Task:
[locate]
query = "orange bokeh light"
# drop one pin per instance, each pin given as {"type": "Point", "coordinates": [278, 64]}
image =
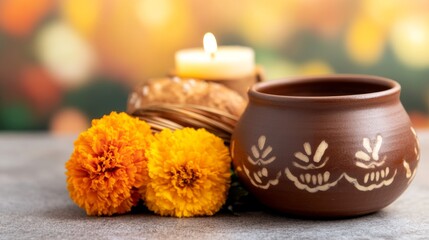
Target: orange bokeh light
{"type": "Point", "coordinates": [68, 121]}
{"type": "Point", "coordinates": [19, 17]}
{"type": "Point", "coordinates": [39, 87]}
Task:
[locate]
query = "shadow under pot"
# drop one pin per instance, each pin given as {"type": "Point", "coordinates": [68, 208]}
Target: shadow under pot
{"type": "Point", "coordinates": [330, 146]}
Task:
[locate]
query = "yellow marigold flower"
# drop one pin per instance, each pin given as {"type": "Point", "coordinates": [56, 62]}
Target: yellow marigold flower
{"type": "Point", "coordinates": [108, 165]}
{"type": "Point", "coordinates": [189, 173]}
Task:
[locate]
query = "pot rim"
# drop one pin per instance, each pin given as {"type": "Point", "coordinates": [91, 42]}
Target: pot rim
{"type": "Point", "coordinates": [393, 89]}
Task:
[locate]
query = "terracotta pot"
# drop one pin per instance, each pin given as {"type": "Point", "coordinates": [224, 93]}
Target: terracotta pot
{"type": "Point", "coordinates": [330, 146]}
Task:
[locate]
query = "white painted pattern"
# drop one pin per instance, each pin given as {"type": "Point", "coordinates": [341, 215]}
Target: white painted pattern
{"type": "Point", "coordinates": [307, 181]}
{"type": "Point", "coordinates": [371, 160]}
{"type": "Point", "coordinates": [259, 184]}
{"type": "Point", "coordinates": [407, 169]}
{"type": "Point", "coordinates": [408, 173]}
{"type": "Point", "coordinates": [369, 177]}
{"type": "Point", "coordinates": [320, 151]}
{"type": "Point", "coordinates": [371, 165]}
{"type": "Point", "coordinates": [372, 153]}
{"type": "Point", "coordinates": [373, 176]}
{"type": "Point", "coordinates": [260, 153]}
{"type": "Point", "coordinates": [320, 182]}
{"type": "Point", "coordinates": [261, 156]}
{"type": "Point", "coordinates": [305, 157]}
{"type": "Point", "coordinates": [417, 144]}
{"type": "Point", "coordinates": [309, 166]}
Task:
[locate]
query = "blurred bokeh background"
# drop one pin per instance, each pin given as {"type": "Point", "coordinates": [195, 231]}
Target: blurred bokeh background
{"type": "Point", "coordinates": [64, 62]}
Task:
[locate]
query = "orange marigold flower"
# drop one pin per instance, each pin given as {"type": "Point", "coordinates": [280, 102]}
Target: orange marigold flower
{"type": "Point", "coordinates": [108, 165]}
{"type": "Point", "coordinates": [189, 173]}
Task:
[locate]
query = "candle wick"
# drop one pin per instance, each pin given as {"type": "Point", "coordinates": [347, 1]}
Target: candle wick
{"type": "Point", "coordinates": [212, 55]}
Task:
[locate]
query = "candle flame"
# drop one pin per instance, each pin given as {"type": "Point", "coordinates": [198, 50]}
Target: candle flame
{"type": "Point", "coordinates": [210, 44]}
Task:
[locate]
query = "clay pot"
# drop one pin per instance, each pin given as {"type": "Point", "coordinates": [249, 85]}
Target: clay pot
{"type": "Point", "coordinates": [331, 146]}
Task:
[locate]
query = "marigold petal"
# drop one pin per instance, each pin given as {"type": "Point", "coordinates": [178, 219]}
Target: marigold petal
{"type": "Point", "coordinates": [189, 173]}
{"type": "Point", "coordinates": [109, 165]}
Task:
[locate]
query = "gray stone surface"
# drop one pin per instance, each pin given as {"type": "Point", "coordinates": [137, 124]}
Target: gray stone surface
{"type": "Point", "coordinates": [34, 204]}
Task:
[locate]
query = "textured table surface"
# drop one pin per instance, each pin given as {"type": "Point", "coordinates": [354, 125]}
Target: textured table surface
{"type": "Point", "coordinates": [34, 204]}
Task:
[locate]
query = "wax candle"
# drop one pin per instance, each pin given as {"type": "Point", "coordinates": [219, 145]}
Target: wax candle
{"type": "Point", "coordinates": [215, 63]}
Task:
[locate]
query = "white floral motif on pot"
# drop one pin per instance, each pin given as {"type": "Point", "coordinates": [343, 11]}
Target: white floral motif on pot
{"type": "Point", "coordinates": [261, 155]}
{"type": "Point", "coordinates": [410, 174]}
{"type": "Point", "coordinates": [315, 178]}
{"type": "Point", "coordinates": [376, 175]}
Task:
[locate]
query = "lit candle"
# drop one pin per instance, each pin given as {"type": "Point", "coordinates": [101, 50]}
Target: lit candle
{"type": "Point", "coordinates": [215, 63]}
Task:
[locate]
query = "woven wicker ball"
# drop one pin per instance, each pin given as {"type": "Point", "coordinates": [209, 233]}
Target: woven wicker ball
{"type": "Point", "coordinates": [186, 91]}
